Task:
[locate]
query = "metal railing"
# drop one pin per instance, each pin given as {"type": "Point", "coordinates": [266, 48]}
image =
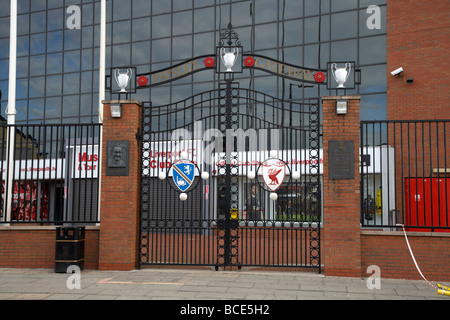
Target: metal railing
{"type": "Point", "coordinates": [49, 173]}
{"type": "Point", "coordinates": [405, 175]}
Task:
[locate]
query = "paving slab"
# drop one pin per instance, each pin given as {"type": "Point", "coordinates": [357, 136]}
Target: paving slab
{"type": "Point", "coordinates": [190, 284]}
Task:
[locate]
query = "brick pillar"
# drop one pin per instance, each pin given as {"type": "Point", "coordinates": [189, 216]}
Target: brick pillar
{"type": "Point", "coordinates": [119, 209]}
{"type": "Point", "coordinates": [341, 193]}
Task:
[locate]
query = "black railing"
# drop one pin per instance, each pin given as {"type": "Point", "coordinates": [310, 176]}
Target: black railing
{"type": "Point", "coordinates": [50, 173]}
{"type": "Point", "coordinates": [405, 175]}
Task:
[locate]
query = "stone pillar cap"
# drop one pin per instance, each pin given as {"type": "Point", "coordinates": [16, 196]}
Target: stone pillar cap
{"type": "Point", "coordinates": [350, 97]}
{"type": "Point", "coordinates": [139, 103]}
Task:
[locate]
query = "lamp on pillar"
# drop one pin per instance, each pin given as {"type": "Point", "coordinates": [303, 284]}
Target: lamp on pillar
{"type": "Point", "coordinates": [341, 106]}
{"type": "Point", "coordinates": [116, 110]}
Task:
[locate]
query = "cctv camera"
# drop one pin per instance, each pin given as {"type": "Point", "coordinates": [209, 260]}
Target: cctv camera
{"type": "Point", "coordinates": [397, 71]}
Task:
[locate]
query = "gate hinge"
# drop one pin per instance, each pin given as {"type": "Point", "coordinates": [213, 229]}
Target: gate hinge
{"type": "Point", "coordinates": [138, 135]}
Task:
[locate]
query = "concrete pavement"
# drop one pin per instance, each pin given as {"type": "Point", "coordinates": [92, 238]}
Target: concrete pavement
{"type": "Point", "coordinates": [205, 284]}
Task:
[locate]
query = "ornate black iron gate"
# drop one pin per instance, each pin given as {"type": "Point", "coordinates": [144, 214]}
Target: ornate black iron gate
{"type": "Point", "coordinates": [231, 177]}
{"type": "Point", "coordinates": [230, 216]}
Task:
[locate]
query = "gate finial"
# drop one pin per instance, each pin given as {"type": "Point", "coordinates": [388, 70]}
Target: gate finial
{"type": "Point", "coordinates": [229, 35]}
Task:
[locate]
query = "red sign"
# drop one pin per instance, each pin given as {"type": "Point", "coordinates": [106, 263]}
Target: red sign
{"type": "Point", "coordinates": [25, 198]}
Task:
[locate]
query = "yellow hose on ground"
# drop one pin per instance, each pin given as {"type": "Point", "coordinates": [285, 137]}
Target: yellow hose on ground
{"type": "Point", "coordinates": [444, 291]}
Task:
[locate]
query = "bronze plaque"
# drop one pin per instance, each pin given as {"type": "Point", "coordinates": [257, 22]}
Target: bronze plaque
{"type": "Point", "coordinates": [117, 158]}
{"type": "Point", "coordinates": [341, 160]}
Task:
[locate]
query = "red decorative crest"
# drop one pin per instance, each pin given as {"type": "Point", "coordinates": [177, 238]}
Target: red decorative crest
{"type": "Point", "coordinates": [249, 61]}
{"type": "Point", "coordinates": [319, 77]}
{"type": "Point", "coordinates": [209, 62]}
{"type": "Point", "coordinates": [142, 81]}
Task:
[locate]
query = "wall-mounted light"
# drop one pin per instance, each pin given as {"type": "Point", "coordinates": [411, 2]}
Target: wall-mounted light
{"type": "Point", "coordinates": [116, 110]}
{"type": "Point", "coordinates": [341, 107]}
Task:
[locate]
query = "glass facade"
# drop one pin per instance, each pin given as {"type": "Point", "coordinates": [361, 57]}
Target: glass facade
{"type": "Point", "coordinates": [58, 65]}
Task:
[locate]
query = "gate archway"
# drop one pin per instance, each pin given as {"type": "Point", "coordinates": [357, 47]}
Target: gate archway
{"type": "Point", "coordinates": [231, 176]}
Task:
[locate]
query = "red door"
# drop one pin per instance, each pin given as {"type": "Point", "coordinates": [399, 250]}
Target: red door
{"type": "Point", "coordinates": [427, 203]}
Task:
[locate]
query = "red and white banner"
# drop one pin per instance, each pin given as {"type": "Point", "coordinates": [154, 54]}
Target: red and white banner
{"type": "Point", "coordinates": [25, 197]}
{"type": "Point", "coordinates": [86, 162]}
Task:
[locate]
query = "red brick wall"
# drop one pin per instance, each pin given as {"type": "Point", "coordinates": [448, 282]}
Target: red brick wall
{"type": "Point", "coordinates": [22, 247]}
{"type": "Point", "coordinates": [417, 40]}
{"type": "Point", "coordinates": [341, 251]}
{"type": "Point", "coordinates": [390, 252]}
{"type": "Point", "coordinates": [120, 194]}
{"type": "Point", "coordinates": [34, 247]}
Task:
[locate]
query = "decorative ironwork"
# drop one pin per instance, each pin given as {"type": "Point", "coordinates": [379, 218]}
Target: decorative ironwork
{"type": "Point", "coordinates": [228, 36]}
{"type": "Point", "coordinates": [228, 218]}
{"type": "Point", "coordinates": [214, 225]}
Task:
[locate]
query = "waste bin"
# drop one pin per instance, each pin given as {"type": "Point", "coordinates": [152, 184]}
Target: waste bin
{"type": "Point", "coordinates": [69, 249]}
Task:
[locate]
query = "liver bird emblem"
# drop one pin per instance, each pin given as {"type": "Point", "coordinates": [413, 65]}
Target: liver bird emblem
{"type": "Point", "coordinates": [272, 173]}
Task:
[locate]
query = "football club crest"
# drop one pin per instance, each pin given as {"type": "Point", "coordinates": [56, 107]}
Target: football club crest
{"type": "Point", "coordinates": [273, 172]}
{"type": "Point", "coordinates": [183, 174]}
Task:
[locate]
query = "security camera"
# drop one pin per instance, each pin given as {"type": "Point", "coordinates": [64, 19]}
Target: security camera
{"type": "Point", "coordinates": [397, 71]}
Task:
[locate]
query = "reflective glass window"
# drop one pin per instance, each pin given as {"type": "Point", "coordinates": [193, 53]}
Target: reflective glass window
{"type": "Point", "coordinates": [141, 8]}
{"type": "Point", "coordinates": [71, 83]}
{"type": "Point", "coordinates": [344, 25]}
{"type": "Point", "coordinates": [161, 6]}
{"type": "Point", "coordinates": [161, 26]}
{"type": "Point", "coordinates": [72, 61]}
{"type": "Point", "coordinates": [38, 22]}
{"type": "Point", "coordinates": [37, 43]}
{"type": "Point", "coordinates": [4, 48]}
{"type": "Point", "coordinates": [141, 29]}
{"type": "Point", "coordinates": [54, 41]}
{"type": "Point", "coordinates": [182, 23]}
{"type": "Point", "coordinates": [54, 63]}
{"type": "Point", "coordinates": [53, 85]}
{"type": "Point", "coordinates": [121, 9]}
{"type": "Point", "coordinates": [53, 108]}
{"type": "Point", "coordinates": [55, 19]}
{"type": "Point", "coordinates": [37, 87]}
{"type": "Point", "coordinates": [4, 69]}
{"type": "Point", "coordinates": [121, 31]}
{"type": "Point", "coordinates": [23, 24]}
{"type": "Point", "coordinates": [71, 106]}
{"type": "Point", "coordinates": [37, 65]}
{"type": "Point", "coordinates": [204, 19]}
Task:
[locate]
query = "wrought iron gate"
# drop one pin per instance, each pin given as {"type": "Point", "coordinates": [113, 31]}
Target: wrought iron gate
{"type": "Point", "coordinates": [226, 135]}
{"type": "Point", "coordinates": [230, 177]}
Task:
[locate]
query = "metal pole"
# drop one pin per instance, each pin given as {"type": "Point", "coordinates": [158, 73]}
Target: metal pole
{"type": "Point", "coordinates": [11, 108]}
{"type": "Point", "coordinates": [101, 95]}
{"type": "Point", "coordinates": [101, 88]}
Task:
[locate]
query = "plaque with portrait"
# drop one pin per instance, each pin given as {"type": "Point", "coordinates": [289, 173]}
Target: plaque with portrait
{"type": "Point", "coordinates": [117, 158]}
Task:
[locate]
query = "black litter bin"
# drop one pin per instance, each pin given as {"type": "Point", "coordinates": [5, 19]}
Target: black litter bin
{"type": "Point", "coordinates": [69, 248]}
